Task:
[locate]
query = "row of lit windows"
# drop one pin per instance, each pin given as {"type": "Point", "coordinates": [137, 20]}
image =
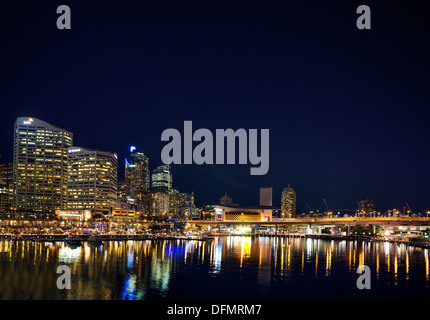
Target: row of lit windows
{"type": "Point", "coordinates": [42, 130]}
{"type": "Point", "coordinates": [29, 150]}
{"type": "Point", "coordinates": [98, 164]}
{"type": "Point", "coordinates": [39, 136]}
{"type": "Point", "coordinates": [40, 142]}
{"type": "Point", "coordinates": [45, 133]}
{"type": "Point", "coordinates": [32, 199]}
{"type": "Point", "coordinates": [98, 193]}
{"type": "Point", "coordinates": [88, 188]}
{"type": "Point", "coordinates": [43, 167]}
{"type": "Point", "coordinates": [41, 173]}
{"type": "Point", "coordinates": [88, 198]}
{"type": "Point", "coordinates": [44, 142]}
{"type": "Point", "coordinates": [41, 191]}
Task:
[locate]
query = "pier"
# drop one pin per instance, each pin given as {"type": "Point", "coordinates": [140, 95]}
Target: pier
{"type": "Point", "coordinates": [100, 237]}
{"type": "Point", "coordinates": [134, 237]}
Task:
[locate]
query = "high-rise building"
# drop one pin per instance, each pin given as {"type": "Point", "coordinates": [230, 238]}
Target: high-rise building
{"type": "Point", "coordinates": [178, 201]}
{"type": "Point", "coordinates": [40, 165]}
{"type": "Point", "coordinates": [122, 190]}
{"type": "Point", "coordinates": [92, 180]}
{"type": "Point", "coordinates": [288, 203]}
{"type": "Point", "coordinates": [366, 207]}
{"type": "Point", "coordinates": [137, 172]}
{"type": "Point", "coordinates": [161, 179]}
{"type": "Point", "coordinates": [189, 212]}
{"type": "Point", "coordinates": [158, 204]}
{"type": "Point", "coordinates": [6, 186]}
{"type": "Point", "coordinates": [4, 197]}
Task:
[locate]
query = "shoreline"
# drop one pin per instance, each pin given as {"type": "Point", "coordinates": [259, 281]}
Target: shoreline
{"type": "Point", "coordinates": [125, 237]}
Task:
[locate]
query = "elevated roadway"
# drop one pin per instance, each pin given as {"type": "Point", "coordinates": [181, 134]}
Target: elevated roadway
{"type": "Point", "coordinates": [385, 221]}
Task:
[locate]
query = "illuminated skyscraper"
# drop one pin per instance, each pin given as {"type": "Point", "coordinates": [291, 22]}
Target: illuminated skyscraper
{"type": "Point", "coordinates": [179, 201]}
{"type": "Point", "coordinates": [122, 190]}
{"type": "Point", "coordinates": [288, 203]}
{"type": "Point", "coordinates": [158, 204]}
{"type": "Point", "coordinates": [161, 179]}
{"type": "Point", "coordinates": [40, 165]}
{"type": "Point", "coordinates": [366, 207]}
{"type": "Point", "coordinates": [92, 180]}
{"type": "Point", "coordinates": [137, 173]}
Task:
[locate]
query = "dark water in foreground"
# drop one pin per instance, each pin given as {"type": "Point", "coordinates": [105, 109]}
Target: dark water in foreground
{"type": "Point", "coordinates": [225, 268]}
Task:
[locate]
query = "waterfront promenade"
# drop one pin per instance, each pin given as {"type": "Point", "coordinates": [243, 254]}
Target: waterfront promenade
{"type": "Point", "coordinates": [139, 237]}
{"type": "Point", "coordinates": [315, 224]}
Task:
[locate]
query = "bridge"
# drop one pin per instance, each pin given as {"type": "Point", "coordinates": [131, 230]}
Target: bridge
{"type": "Point", "coordinates": [351, 221]}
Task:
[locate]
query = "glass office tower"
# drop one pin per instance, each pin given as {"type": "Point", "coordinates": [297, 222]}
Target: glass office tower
{"type": "Point", "coordinates": [161, 179]}
{"type": "Point", "coordinates": [92, 180]}
{"type": "Point", "coordinates": [136, 173]}
{"type": "Point", "coordinates": [40, 165]}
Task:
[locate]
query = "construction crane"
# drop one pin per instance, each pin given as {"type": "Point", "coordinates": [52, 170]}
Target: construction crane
{"type": "Point", "coordinates": [409, 208]}
{"type": "Point", "coordinates": [329, 213]}
{"type": "Point", "coordinates": [308, 209]}
{"type": "Point", "coordinates": [325, 202]}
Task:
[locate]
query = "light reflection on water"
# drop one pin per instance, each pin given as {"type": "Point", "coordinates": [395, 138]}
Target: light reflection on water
{"type": "Point", "coordinates": [225, 268]}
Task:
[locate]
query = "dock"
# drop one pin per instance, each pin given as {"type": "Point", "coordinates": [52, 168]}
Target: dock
{"type": "Point", "coordinates": [101, 237]}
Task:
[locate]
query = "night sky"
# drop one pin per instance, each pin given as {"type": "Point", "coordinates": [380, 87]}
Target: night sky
{"type": "Point", "coordinates": [347, 109]}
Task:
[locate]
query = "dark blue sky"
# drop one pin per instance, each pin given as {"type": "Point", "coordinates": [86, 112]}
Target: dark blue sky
{"type": "Point", "coordinates": [347, 109]}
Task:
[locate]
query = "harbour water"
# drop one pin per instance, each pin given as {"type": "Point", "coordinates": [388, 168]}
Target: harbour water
{"type": "Point", "coordinates": [232, 267]}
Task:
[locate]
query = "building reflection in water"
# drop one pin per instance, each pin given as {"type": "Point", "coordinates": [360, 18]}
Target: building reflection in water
{"type": "Point", "coordinates": [426, 257]}
{"type": "Point", "coordinates": [328, 259]}
{"type": "Point", "coordinates": [217, 256]}
{"type": "Point", "coordinates": [69, 255]}
{"type": "Point", "coordinates": [264, 263]}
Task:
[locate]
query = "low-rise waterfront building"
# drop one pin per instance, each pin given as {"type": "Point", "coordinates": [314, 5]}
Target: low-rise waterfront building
{"type": "Point", "coordinates": [78, 215]}
{"type": "Point", "coordinates": [245, 214]}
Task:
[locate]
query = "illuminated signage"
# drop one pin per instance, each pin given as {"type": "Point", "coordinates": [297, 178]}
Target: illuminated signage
{"type": "Point", "coordinates": [29, 121]}
{"type": "Point", "coordinates": [74, 150]}
{"type": "Point", "coordinates": [74, 214]}
{"type": "Point", "coordinates": [125, 213]}
{"type": "Point", "coordinates": [132, 148]}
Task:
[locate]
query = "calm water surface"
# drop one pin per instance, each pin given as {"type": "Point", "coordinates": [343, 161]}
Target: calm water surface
{"type": "Point", "coordinates": [225, 268]}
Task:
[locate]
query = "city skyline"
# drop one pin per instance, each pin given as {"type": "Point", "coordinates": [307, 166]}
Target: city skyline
{"type": "Point", "coordinates": [165, 181]}
{"type": "Point", "coordinates": [215, 158]}
{"type": "Point", "coordinates": [347, 109]}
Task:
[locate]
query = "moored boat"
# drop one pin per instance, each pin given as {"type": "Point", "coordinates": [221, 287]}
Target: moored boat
{"type": "Point", "coordinates": [74, 240]}
{"type": "Point", "coordinates": [95, 239]}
